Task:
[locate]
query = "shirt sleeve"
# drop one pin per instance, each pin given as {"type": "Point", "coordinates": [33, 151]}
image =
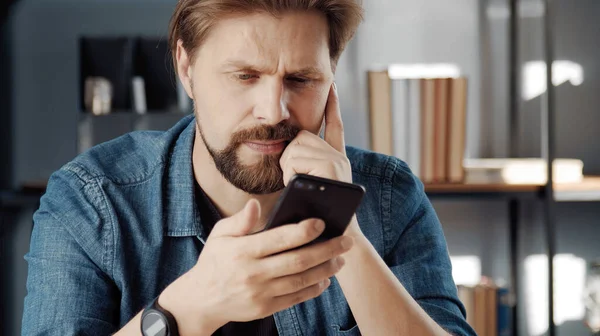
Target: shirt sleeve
{"type": "Point", "coordinates": [68, 289]}
{"type": "Point", "coordinates": [418, 254]}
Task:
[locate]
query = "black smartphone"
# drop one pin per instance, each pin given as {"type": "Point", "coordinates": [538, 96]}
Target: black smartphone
{"type": "Point", "coordinates": [308, 196]}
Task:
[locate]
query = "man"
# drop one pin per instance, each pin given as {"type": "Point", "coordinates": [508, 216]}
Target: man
{"type": "Point", "coordinates": [161, 223]}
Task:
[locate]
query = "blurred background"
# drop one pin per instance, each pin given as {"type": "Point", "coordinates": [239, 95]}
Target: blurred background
{"type": "Point", "coordinates": [75, 73]}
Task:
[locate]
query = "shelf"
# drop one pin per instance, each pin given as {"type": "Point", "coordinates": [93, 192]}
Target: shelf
{"type": "Point", "coordinates": [481, 190]}
{"type": "Point", "coordinates": [453, 188]}
{"type": "Point", "coordinates": [587, 190]}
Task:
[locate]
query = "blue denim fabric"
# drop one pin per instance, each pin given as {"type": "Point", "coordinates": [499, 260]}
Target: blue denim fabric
{"type": "Point", "coordinates": [119, 223]}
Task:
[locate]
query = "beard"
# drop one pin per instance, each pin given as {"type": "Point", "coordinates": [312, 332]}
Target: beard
{"type": "Point", "coordinates": [264, 177]}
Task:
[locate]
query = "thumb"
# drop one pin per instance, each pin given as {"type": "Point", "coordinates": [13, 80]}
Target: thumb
{"type": "Point", "coordinates": [241, 223]}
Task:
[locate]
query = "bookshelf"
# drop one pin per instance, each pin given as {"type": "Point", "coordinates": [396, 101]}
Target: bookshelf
{"type": "Point", "coordinates": [389, 97]}
{"type": "Point", "coordinates": [549, 193]}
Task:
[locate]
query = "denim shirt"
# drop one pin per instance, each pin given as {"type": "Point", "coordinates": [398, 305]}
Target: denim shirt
{"type": "Point", "coordinates": [119, 223]}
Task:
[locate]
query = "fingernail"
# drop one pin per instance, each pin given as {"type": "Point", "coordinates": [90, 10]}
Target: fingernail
{"type": "Point", "coordinates": [334, 87]}
{"type": "Point", "coordinates": [347, 242]}
{"type": "Point", "coordinates": [325, 283]}
{"type": "Point", "coordinates": [319, 225]}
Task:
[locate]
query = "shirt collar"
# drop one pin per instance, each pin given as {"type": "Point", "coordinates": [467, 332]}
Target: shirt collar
{"type": "Point", "coordinates": [183, 216]}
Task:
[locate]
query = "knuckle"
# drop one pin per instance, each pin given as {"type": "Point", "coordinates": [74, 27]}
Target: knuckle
{"type": "Point", "coordinates": [255, 298]}
{"type": "Point", "coordinates": [281, 239]}
{"type": "Point", "coordinates": [249, 278]}
{"type": "Point", "coordinates": [337, 124]}
{"type": "Point", "coordinates": [314, 291]}
{"type": "Point", "coordinates": [299, 298]}
{"type": "Point", "coordinates": [334, 251]}
{"type": "Point", "coordinates": [336, 265]}
{"type": "Point", "coordinates": [300, 262]}
{"type": "Point", "coordinates": [342, 162]}
{"type": "Point", "coordinates": [299, 283]}
{"type": "Point", "coordinates": [237, 253]}
{"type": "Point", "coordinates": [308, 231]}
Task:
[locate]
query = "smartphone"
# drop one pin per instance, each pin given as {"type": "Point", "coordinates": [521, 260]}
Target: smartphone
{"type": "Point", "coordinates": [308, 196]}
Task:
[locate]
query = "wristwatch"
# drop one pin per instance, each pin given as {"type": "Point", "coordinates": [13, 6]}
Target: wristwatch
{"type": "Point", "coordinates": [157, 321]}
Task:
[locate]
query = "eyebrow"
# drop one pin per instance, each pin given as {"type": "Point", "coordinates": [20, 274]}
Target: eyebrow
{"type": "Point", "coordinates": [241, 65]}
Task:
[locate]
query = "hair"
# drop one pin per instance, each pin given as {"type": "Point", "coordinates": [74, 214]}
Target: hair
{"type": "Point", "coordinates": [192, 20]}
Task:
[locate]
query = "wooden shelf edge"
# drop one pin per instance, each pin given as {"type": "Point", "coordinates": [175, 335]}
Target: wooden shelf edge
{"type": "Point", "coordinates": [587, 190]}
{"type": "Point", "coordinates": [440, 188]}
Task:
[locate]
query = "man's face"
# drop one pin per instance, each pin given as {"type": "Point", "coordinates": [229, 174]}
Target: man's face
{"type": "Point", "coordinates": [256, 82]}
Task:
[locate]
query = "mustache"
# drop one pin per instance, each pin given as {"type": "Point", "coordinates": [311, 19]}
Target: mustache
{"type": "Point", "coordinates": [281, 131]}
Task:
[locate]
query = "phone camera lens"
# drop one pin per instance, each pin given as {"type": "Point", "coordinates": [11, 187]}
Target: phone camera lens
{"type": "Point", "coordinates": [322, 188]}
{"type": "Point", "coordinates": [299, 184]}
{"type": "Point", "coordinates": [311, 187]}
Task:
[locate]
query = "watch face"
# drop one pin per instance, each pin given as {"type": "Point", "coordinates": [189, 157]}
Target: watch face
{"type": "Point", "coordinates": [154, 324]}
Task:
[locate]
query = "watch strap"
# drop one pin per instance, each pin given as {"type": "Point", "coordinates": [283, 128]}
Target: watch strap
{"type": "Point", "coordinates": [157, 321]}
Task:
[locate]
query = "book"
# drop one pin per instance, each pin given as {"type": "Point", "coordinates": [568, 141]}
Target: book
{"type": "Point", "coordinates": [422, 121]}
{"type": "Point", "coordinates": [488, 307]}
{"type": "Point", "coordinates": [457, 130]}
{"type": "Point", "coordinates": [427, 130]}
{"type": "Point", "coordinates": [414, 125]}
{"type": "Point", "coordinates": [400, 113]}
{"type": "Point", "coordinates": [380, 105]}
{"type": "Point", "coordinates": [467, 297]}
{"type": "Point", "coordinates": [504, 312]}
{"type": "Point", "coordinates": [491, 310]}
{"type": "Point", "coordinates": [440, 147]}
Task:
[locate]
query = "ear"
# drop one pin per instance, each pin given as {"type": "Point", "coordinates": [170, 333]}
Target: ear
{"type": "Point", "coordinates": [184, 69]}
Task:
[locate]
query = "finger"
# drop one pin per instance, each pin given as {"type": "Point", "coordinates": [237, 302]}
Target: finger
{"type": "Point", "coordinates": [302, 259]}
{"type": "Point", "coordinates": [284, 238]}
{"type": "Point", "coordinates": [302, 151]}
{"type": "Point", "coordinates": [239, 224]}
{"type": "Point", "coordinates": [302, 165]}
{"type": "Point", "coordinates": [297, 282]}
{"type": "Point", "coordinates": [334, 127]}
{"type": "Point", "coordinates": [305, 137]}
{"type": "Point", "coordinates": [305, 150]}
{"type": "Point", "coordinates": [283, 302]}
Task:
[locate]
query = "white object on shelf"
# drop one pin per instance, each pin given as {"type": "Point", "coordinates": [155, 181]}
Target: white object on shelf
{"type": "Point", "coordinates": [139, 95]}
{"type": "Point", "coordinates": [521, 171]}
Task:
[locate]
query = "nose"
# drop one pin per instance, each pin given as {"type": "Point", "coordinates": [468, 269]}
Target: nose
{"type": "Point", "coordinates": [272, 102]}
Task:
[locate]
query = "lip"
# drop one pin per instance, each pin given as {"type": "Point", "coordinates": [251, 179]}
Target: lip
{"type": "Point", "coordinates": [267, 147]}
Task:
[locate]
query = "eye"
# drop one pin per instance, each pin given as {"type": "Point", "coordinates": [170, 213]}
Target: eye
{"type": "Point", "coordinates": [299, 80]}
{"type": "Point", "coordinates": [246, 76]}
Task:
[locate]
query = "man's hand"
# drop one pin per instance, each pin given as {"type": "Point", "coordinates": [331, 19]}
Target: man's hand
{"type": "Point", "coordinates": [309, 154]}
{"type": "Point", "coordinates": [240, 277]}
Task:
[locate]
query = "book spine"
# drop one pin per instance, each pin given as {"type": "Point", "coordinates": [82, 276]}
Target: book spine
{"type": "Point", "coordinates": [400, 106]}
{"type": "Point", "coordinates": [504, 312]}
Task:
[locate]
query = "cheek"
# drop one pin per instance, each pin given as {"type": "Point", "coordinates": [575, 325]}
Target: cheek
{"type": "Point", "coordinates": [308, 109]}
{"type": "Point", "coordinates": [218, 114]}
